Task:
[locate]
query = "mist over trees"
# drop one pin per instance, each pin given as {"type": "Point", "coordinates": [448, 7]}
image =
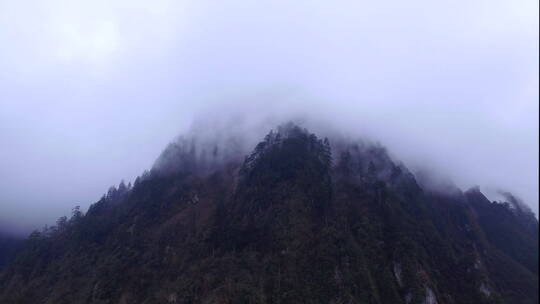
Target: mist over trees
{"type": "Point", "coordinates": [298, 218]}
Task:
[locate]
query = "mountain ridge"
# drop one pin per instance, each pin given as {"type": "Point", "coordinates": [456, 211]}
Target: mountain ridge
{"type": "Point", "coordinates": [298, 220]}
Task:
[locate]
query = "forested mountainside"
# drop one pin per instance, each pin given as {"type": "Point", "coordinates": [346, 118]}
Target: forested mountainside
{"type": "Point", "coordinates": [299, 220]}
{"type": "Point", "coordinates": [9, 246]}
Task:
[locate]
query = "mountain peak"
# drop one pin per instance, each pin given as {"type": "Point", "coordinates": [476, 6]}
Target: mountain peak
{"type": "Point", "coordinates": [298, 219]}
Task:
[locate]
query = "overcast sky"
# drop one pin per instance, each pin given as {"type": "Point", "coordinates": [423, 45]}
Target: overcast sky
{"type": "Point", "coordinates": [92, 91]}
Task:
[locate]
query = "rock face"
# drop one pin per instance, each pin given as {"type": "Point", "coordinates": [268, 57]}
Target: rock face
{"type": "Point", "coordinates": [430, 297]}
{"type": "Point", "coordinates": [300, 220]}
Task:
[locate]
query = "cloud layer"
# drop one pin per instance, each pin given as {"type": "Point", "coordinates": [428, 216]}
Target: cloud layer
{"type": "Point", "coordinates": [90, 92]}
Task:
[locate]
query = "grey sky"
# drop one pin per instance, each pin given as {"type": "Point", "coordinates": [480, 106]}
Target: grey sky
{"type": "Point", "coordinates": [92, 91]}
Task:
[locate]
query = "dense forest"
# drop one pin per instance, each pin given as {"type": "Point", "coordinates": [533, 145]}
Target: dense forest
{"type": "Point", "coordinates": [9, 247]}
{"type": "Point", "coordinates": [299, 220]}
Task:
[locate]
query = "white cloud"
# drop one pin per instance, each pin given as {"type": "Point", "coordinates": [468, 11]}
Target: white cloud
{"type": "Point", "coordinates": [38, 36]}
{"type": "Point", "coordinates": [101, 86]}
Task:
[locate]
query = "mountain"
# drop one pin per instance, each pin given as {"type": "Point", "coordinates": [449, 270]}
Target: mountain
{"type": "Point", "coordinates": [298, 220]}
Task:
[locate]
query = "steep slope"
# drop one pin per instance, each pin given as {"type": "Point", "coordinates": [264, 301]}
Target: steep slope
{"type": "Point", "coordinates": [298, 221]}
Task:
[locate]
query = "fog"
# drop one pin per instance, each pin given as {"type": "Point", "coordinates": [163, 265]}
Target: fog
{"type": "Point", "coordinates": [92, 91]}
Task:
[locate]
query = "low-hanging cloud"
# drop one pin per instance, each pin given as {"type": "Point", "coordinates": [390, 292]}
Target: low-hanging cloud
{"type": "Point", "coordinates": [91, 92]}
